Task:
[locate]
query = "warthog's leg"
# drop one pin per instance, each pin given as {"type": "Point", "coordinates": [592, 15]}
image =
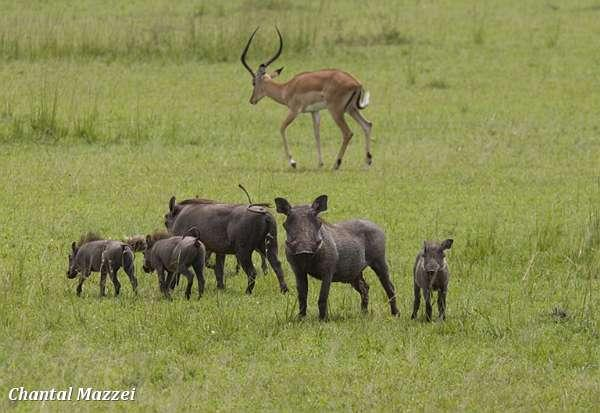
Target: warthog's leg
{"type": "Point", "coordinates": [416, 302]}
{"type": "Point", "coordinates": [207, 263]}
{"type": "Point", "coordinates": [219, 264]}
{"type": "Point", "coordinates": [190, 278]}
{"type": "Point", "coordinates": [129, 267]}
{"type": "Point", "coordinates": [245, 259]}
{"type": "Point", "coordinates": [276, 264]}
{"type": "Point", "coordinates": [174, 280]}
{"type": "Point", "coordinates": [362, 287]}
{"type": "Point", "coordinates": [324, 296]}
{"type": "Point", "coordinates": [441, 302]}
{"type": "Point", "coordinates": [82, 276]}
{"type": "Point", "coordinates": [381, 269]}
{"type": "Point", "coordinates": [162, 282]}
{"type": "Point", "coordinates": [427, 296]}
{"type": "Point", "coordinates": [199, 270]}
{"type": "Point", "coordinates": [115, 280]}
{"type": "Point", "coordinates": [263, 262]}
{"type": "Point", "coordinates": [302, 287]}
{"type": "Point", "coordinates": [103, 275]}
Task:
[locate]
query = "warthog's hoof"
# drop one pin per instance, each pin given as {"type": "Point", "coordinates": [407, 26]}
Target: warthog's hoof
{"type": "Point", "coordinates": [284, 289]}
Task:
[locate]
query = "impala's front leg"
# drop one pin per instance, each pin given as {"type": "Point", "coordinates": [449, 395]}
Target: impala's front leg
{"type": "Point", "coordinates": [316, 125]}
{"type": "Point", "coordinates": [290, 118]}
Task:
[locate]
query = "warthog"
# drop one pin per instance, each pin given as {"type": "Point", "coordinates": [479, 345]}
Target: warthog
{"type": "Point", "coordinates": [93, 254]}
{"type": "Point", "coordinates": [224, 229]}
{"type": "Point", "coordinates": [431, 273]}
{"type": "Point", "coordinates": [174, 256]}
{"type": "Point", "coordinates": [333, 252]}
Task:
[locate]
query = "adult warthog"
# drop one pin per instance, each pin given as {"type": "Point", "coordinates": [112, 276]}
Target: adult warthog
{"type": "Point", "coordinates": [333, 252]}
{"type": "Point", "coordinates": [94, 254]}
{"type": "Point", "coordinates": [237, 229]}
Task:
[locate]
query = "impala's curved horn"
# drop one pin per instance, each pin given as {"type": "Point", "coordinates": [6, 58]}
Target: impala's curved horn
{"type": "Point", "coordinates": [246, 51]}
{"type": "Point", "coordinates": [278, 51]}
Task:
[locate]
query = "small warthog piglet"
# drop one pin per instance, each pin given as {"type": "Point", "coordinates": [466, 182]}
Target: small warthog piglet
{"type": "Point", "coordinates": [431, 273]}
{"type": "Point", "coordinates": [104, 256]}
{"type": "Point", "coordinates": [172, 256]}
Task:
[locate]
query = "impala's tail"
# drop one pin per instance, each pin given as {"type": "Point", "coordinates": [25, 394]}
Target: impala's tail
{"type": "Point", "coordinates": [363, 99]}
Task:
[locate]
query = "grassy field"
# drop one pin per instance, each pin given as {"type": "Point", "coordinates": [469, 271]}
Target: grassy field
{"type": "Point", "coordinates": [486, 120]}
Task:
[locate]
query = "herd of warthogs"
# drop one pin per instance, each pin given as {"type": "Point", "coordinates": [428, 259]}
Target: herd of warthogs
{"type": "Point", "coordinates": [197, 228]}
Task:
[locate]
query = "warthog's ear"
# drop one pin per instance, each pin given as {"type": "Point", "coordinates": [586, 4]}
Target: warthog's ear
{"type": "Point", "coordinates": [320, 204]}
{"type": "Point", "coordinates": [447, 244]}
{"type": "Point", "coordinates": [172, 203]}
{"type": "Point", "coordinates": [148, 241]}
{"type": "Point", "coordinates": [283, 206]}
{"type": "Point", "coordinates": [74, 246]}
{"type": "Point", "coordinates": [276, 73]}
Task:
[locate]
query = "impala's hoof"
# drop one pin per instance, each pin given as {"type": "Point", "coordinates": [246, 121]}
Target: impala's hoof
{"type": "Point", "coordinates": [337, 164]}
{"type": "Point", "coordinates": [293, 163]}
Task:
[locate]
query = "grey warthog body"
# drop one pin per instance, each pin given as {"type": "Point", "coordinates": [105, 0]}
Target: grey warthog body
{"type": "Point", "coordinates": [173, 256]}
{"type": "Point", "coordinates": [431, 273]}
{"type": "Point", "coordinates": [104, 256]}
{"type": "Point", "coordinates": [238, 229]}
{"type": "Point", "coordinates": [333, 253]}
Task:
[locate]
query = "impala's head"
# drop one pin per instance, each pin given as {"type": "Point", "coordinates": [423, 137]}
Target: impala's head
{"type": "Point", "coordinates": [303, 225]}
{"type": "Point", "coordinates": [261, 76]}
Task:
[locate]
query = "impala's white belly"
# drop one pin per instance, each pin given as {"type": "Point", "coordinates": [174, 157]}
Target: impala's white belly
{"type": "Point", "coordinates": [315, 107]}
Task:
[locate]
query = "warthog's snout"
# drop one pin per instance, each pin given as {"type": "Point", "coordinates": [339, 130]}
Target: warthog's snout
{"type": "Point", "coordinates": [304, 247]}
{"type": "Point", "coordinates": [71, 274]}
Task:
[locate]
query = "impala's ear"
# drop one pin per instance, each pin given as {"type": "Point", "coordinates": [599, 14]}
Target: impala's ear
{"type": "Point", "coordinates": [276, 73]}
{"type": "Point", "coordinates": [283, 206]}
{"type": "Point", "coordinates": [320, 204]}
{"type": "Point", "coordinates": [172, 203]}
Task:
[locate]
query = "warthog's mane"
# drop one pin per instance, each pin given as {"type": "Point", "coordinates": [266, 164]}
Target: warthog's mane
{"type": "Point", "coordinates": [159, 234]}
{"type": "Point", "coordinates": [193, 201]}
{"type": "Point", "coordinates": [136, 242]}
{"type": "Point", "coordinates": [198, 201]}
{"type": "Point", "coordinates": [89, 237]}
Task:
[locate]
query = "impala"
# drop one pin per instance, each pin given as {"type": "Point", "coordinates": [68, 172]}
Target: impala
{"type": "Point", "coordinates": [310, 92]}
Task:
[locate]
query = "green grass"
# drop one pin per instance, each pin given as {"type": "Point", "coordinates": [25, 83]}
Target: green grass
{"type": "Point", "coordinates": [486, 127]}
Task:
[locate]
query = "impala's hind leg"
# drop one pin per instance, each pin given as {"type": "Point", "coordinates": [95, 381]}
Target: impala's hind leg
{"type": "Point", "coordinates": [362, 287]}
{"type": "Point", "coordinates": [381, 269]}
{"type": "Point", "coordinates": [366, 127]}
{"type": "Point", "coordinates": [338, 117]}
